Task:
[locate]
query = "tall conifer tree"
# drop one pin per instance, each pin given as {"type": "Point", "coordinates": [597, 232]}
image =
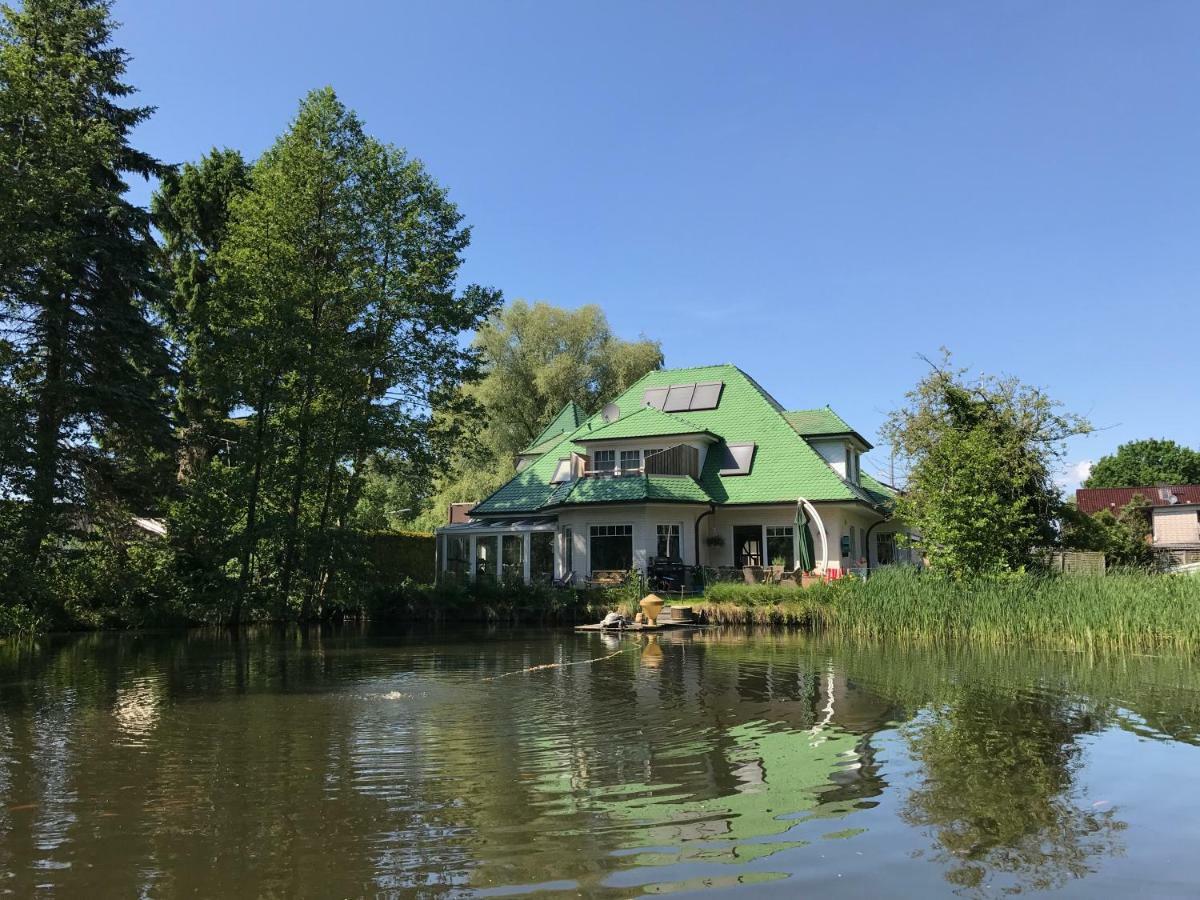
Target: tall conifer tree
{"type": "Point", "coordinates": [75, 258]}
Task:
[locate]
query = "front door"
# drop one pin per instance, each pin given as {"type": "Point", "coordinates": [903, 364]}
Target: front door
{"type": "Point", "coordinates": [747, 545]}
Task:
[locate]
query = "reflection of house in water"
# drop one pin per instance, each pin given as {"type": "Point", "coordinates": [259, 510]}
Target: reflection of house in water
{"type": "Point", "coordinates": [782, 739]}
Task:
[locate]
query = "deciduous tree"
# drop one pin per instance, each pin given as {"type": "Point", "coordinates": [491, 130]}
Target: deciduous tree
{"type": "Point", "coordinates": [980, 454]}
{"type": "Point", "coordinates": [1146, 463]}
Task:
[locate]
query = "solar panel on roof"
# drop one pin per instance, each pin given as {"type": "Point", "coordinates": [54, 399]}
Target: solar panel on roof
{"type": "Point", "coordinates": [655, 397]}
{"type": "Point", "coordinates": [707, 395]}
{"type": "Point", "coordinates": [679, 398]}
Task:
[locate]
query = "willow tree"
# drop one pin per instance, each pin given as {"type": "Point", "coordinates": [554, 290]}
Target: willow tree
{"type": "Point", "coordinates": [76, 261]}
{"type": "Point", "coordinates": [536, 358]}
{"type": "Point", "coordinates": [339, 324]}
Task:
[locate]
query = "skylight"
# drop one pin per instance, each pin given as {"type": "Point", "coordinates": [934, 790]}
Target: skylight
{"type": "Point", "coordinates": [736, 459]}
{"type": "Point", "coordinates": [684, 397]}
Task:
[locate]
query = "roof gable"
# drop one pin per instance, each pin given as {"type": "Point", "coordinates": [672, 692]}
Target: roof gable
{"type": "Point", "coordinates": [822, 422]}
{"type": "Point", "coordinates": [568, 419]}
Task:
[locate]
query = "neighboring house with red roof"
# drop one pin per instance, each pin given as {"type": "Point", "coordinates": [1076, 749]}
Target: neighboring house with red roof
{"type": "Point", "coordinates": [694, 466]}
{"type": "Point", "coordinates": [1174, 510]}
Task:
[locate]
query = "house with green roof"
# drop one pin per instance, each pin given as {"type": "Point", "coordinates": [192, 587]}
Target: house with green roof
{"type": "Point", "coordinates": [698, 466]}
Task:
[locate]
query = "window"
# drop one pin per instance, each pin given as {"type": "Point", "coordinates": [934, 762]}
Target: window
{"type": "Point", "coordinates": [485, 556]}
{"type": "Point", "coordinates": [604, 461]}
{"type": "Point", "coordinates": [736, 459]}
{"type": "Point", "coordinates": [512, 564]}
{"type": "Point", "coordinates": [747, 545]}
{"type": "Point", "coordinates": [779, 547]}
{"type": "Point", "coordinates": [458, 554]}
{"type": "Point", "coordinates": [668, 542]}
{"type": "Point", "coordinates": [612, 547]}
{"type": "Point", "coordinates": [562, 472]}
{"type": "Point", "coordinates": [679, 398]}
{"type": "Point", "coordinates": [631, 462]}
{"type": "Point", "coordinates": [885, 548]}
{"type": "Point", "coordinates": [541, 556]}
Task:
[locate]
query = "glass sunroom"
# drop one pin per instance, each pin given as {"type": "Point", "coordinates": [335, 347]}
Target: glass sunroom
{"type": "Point", "coordinates": [520, 550]}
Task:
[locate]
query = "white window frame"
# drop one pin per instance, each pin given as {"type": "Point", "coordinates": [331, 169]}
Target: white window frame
{"type": "Point", "coordinates": [621, 461]}
{"type": "Point", "coordinates": [632, 542]}
{"type": "Point", "coordinates": [594, 462]}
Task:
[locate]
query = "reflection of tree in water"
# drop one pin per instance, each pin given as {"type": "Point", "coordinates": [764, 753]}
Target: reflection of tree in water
{"type": "Point", "coordinates": [999, 794]}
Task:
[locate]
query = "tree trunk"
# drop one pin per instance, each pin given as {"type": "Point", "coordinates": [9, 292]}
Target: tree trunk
{"type": "Point", "coordinates": [48, 427]}
{"type": "Point", "coordinates": [249, 535]}
{"type": "Point", "coordinates": [302, 439]}
{"type": "Point", "coordinates": [325, 544]}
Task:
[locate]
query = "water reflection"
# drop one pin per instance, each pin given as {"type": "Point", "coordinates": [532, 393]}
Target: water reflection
{"type": "Point", "coordinates": [349, 763]}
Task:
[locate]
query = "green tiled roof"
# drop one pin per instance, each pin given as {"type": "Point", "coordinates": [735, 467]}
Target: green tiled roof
{"type": "Point", "coordinates": [817, 422]}
{"type": "Point", "coordinates": [785, 466]}
{"type": "Point", "coordinates": [568, 419]}
{"type": "Point", "coordinates": [644, 422]}
{"type": "Point", "coordinates": [882, 494]}
{"type": "Point", "coordinates": [630, 489]}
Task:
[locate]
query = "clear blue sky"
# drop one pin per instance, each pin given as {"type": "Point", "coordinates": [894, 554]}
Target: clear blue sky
{"type": "Point", "coordinates": [816, 192]}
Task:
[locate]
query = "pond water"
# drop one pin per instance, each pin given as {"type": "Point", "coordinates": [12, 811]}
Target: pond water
{"type": "Point", "coordinates": [356, 763]}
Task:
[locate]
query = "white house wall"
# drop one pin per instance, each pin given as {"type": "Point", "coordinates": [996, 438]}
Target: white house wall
{"type": "Point", "coordinates": [834, 453]}
{"type": "Point", "coordinates": [838, 519]}
{"type": "Point", "coordinates": [643, 518]}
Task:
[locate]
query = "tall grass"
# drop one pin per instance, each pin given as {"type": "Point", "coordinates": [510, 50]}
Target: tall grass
{"type": "Point", "coordinates": [1130, 611]}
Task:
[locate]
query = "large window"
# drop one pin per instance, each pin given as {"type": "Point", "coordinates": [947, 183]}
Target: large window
{"type": "Point", "coordinates": [779, 547]}
{"type": "Point", "coordinates": [541, 555]}
{"type": "Point", "coordinates": [512, 565]}
{"type": "Point", "coordinates": [668, 542]}
{"type": "Point", "coordinates": [885, 548]}
{"type": "Point", "coordinates": [604, 461]}
{"type": "Point", "coordinates": [631, 462]}
{"type": "Point", "coordinates": [458, 555]}
{"type": "Point", "coordinates": [486, 551]}
{"type": "Point", "coordinates": [612, 547]}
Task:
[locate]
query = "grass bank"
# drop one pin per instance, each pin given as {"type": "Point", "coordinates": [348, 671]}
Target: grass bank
{"type": "Point", "coordinates": [1129, 611]}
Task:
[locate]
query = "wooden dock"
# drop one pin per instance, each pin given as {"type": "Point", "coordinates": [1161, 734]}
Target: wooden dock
{"type": "Point", "coordinates": [639, 626]}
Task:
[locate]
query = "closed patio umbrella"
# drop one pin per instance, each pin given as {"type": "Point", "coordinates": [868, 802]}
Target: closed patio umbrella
{"type": "Point", "coordinates": [805, 552]}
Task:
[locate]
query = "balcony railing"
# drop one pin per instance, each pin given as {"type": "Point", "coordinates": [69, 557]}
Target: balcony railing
{"type": "Point", "coordinates": [681, 460]}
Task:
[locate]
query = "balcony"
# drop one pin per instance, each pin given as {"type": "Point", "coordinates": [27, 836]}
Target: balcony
{"type": "Point", "coordinates": [681, 460]}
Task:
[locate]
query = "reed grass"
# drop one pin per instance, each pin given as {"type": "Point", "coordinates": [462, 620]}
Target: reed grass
{"type": "Point", "coordinates": [1126, 611]}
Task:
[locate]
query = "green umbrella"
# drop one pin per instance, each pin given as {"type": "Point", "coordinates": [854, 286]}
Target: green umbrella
{"type": "Point", "coordinates": [805, 552]}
